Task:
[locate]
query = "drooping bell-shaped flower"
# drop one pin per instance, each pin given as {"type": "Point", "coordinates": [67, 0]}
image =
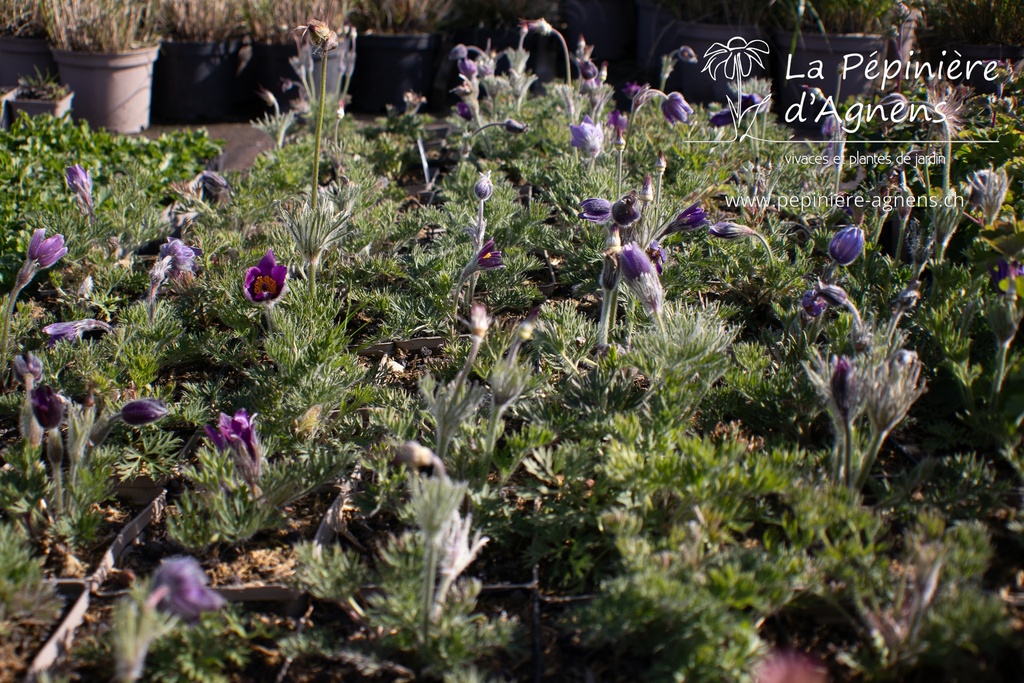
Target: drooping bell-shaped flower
{"type": "Point", "coordinates": [464, 111]}
{"type": "Point", "coordinates": [180, 587]}
{"type": "Point", "coordinates": [587, 137]}
{"type": "Point", "coordinates": [80, 182]}
{"type": "Point", "coordinates": [72, 331]}
{"type": "Point", "coordinates": [47, 407]}
{"type": "Point", "coordinates": [641, 277]}
{"type": "Point", "coordinates": [182, 257]}
{"type": "Point", "coordinates": [676, 109]}
{"type": "Point", "coordinates": [813, 304]}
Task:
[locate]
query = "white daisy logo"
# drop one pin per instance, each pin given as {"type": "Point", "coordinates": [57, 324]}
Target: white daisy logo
{"type": "Point", "coordinates": [735, 59]}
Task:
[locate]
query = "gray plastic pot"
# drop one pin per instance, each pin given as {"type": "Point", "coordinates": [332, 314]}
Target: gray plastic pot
{"type": "Point", "coordinates": [20, 57]}
{"type": "Point", "coordinates": [112, 91]}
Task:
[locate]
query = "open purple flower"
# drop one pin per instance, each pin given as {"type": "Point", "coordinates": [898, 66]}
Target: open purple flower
{"type": "Point", "coordinates": [46, 251]}
{"type": "Point", "coordinates": [596, 210]}
{"type": "Point", "coordinates": [180, 587]}
{"type": "Point", "coordinates": [693, 217]}
{"type": "Point", "coordinates": [47, 407]}
{"type": "Point", "coordinates": [464, 111]}
{"type": "Point", "coordinates": [265, 282]}
{"type": "Point", "coordinates": [676, 109]}
{"type": "Point", "coordinates": [238, 435]}
{"type": "Point", "coordinates": [80, 182]}
{"type": "Point", "coordinates": [588, 137]}
{"type": "Point", "coordinates": [641, 277]}
{"type": "Point", "coordinates": [489, 258]}
{"type": "Point", "coordinates": [657, 255]}
{"type": "Point", "coordinates": [631, 89]}
{"type": "Point", "coordinates": [752, 100]}
{"type": "Point", "coordinates": [72, 331]}
{"type": "Point", "coordinates": [143, 411]}
{"type": "Point", "coordinates": [813, 304]}
{"type": "Point", "coordinates": [846, 245]}
{"type": "Point", "coordinates": [183, 257]}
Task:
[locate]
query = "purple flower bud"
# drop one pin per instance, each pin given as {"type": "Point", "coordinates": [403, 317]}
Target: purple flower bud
{"type": "Point", "coordinates": [727, 230]}
{"type": "Point", "coordinates": [846, 245]}
{"type": "Point", "coordinates": [464, 111]}
{"type": "Point", "coordinates": [214, 187]}
{"type": "Point", "coordinates": [596, 210]}
{"type": "Point", "coordinates": [676, 109]}
{"type": "Point", "coordinates": [265, 282]}
{"type": "Point", "coordinates": [587, 137]}
{"type": "Point", "coordinates": [47, 407]}
{"type": "Point", "coordinates": [144, 411]}
{"type": "Point", "coordinates": [238, 434]}
{"type": "Point", "coordinates": [641, 277]}
{"type": "Point", "coordinates": [833, 295]}
{"type": "Point", "coordinates": [181, 586]}
{"type": "Point", "coordinates": [631, 89]}
{"type": "Point", "coordinates": [28, 364]}
{"type": "Point", "coordinates": [513, 126]}
{"type": "Point", "coordinates": [72, 331]}
{"type": "Point", "coordinates": [686, 54]}
{"type": "Point", "coordinates": [80, 182]}
{"type": "Point", "coordinates": [183, 258]}
{"type": "Point", "coordinates": [813, 304]}
{"type": "Point", "coordinates": [467, 67]}
{"type": "Point", "coordinates": [749, 100]}
{"type": "Point", "coordinates": [693, 217]}
{"type": "Point", "coordinates": [46, 251]}
{"type": "Point", "coordinates": [843, 384]}
{"type": "Point", "coordinates": [588, 70]}
{"type": "Point", "coordinates": [458, 52]}
{"type": "Point", "coordinates": [626, 211]}
{"type": "Point", "coordinates": [721, 118]}
{"type": "Point", "coordinates": [483, 189]}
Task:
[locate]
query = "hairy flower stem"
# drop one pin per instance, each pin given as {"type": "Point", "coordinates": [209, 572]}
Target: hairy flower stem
{"type": "Point", "coordinates": [902, 234]}
{"type": "Point", "coordinates": [55, 454]}
{"type": "Point", "coordinates": [568, 70]}
{"type": "Point", "coordinates": [320, 105]}
{"type": "Point", "coordinates": [608, 304]}
{"type": "Point", "coordinates": [493, 427]}
{"type": "Point", "coordinates": [874, 446]}
{"type": "Point", "coordinates": [618, 172]}
{"type": "Point", "coordinates": [1000, 373]}
{"type": "Point", "coordinates": [312, 278]}
{"type": "Point", "coordinates": [847, 466]}
{"type": "Point", "coordinates": [429, 587]}
{"type": "Point", "coordinates": [8, 314]}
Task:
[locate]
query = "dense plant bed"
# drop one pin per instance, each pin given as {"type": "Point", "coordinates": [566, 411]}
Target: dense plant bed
{"type": "Point", "coordinates": [550, 395]}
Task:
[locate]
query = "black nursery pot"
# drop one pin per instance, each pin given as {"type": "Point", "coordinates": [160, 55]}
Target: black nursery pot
{"type": "Point", "coordinates": [388, 66]}
{"type": "Point", "coordinates": [608, 25]}
{"type": "Point", "coordinates": [545, 56]}
{"type": "Point", "coordinates": [192, 81]}
{"type": "Point", "coordinates": [269, 67]}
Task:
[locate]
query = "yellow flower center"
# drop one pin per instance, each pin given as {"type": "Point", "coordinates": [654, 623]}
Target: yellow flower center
{"type": "Point", "coordinates": [264, 284]}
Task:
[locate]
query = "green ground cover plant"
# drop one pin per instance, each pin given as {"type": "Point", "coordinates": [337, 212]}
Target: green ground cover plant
{"type": "Point", "coordinates": [538, 391]}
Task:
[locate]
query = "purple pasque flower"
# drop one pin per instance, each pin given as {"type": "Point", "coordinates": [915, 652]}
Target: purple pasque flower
{"type": "Point", "coordinates": [213, 186]}
{"type": "Point", "coordinates": [588, 70]}
{"type": "Point", "coordinates": [458, 52]}
{"type": "Point", "coordinates": [626, 211]}
{"type": "Point", "coordinates": [843, 384]}
{"type": "Point", "coordinates": [72, 331]}
{"type": "Point", "coordinates": [693, 217]}
{"type": "Point", "coordinates": [488, 258]}
{"type": "Point", "coordinates": [751, 100]}
{"type": "Point", "coordinates": [180, 587]}
{"type": "Point", "coordinates": [143, 411]}
{"type": "Point", "coordinates": [831, 126]}
{"type": "Point", "coordinates": [464, 111]}
{"type": "Point", "coordinates": [657, 254]}
{"type": "Point", "coordinates": [676, 109]}
{"type": "Point", "coordinates": [238, 435]}
{"type": "Point", "coordinates": [46, 251]}
{"type": "Point", "coordinates": [618, 122]}
{"type": "Point", "coordinates": [588, 137]}
{"type": "Point", "coordinates": [640, 275]}
{"type": "Point", "coordinates": [265, 282]}
{"type": "Point", "coordinates": [596, 210]}
{"type": "Point", "coordinates": [516, 127]}
{"type": "Point", "coordinates": [833, 295]}
{"type": "Point", "coordinates": [28, 365]}
{"type": "Point", "coordinates": [483, 188]}
{"type": "Point", "coordinates": [80, 182]}
{"type": "Point", "coordinates": [47, 407]}
{"type": "Point", "coordinates": [631, 89]}
{"type": "Point", "coordinates": [182, 257]}
{"type": "Point", "coordinates": [846, 245]}
{"type": "Point", "coordinates": [813, 304]}
{"type": "Point", "coordinates": [467, 67]}
{"type": "Point", "coordinates": [721, 118]}
{"type": "Point", "coordinates": [727, 230]}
